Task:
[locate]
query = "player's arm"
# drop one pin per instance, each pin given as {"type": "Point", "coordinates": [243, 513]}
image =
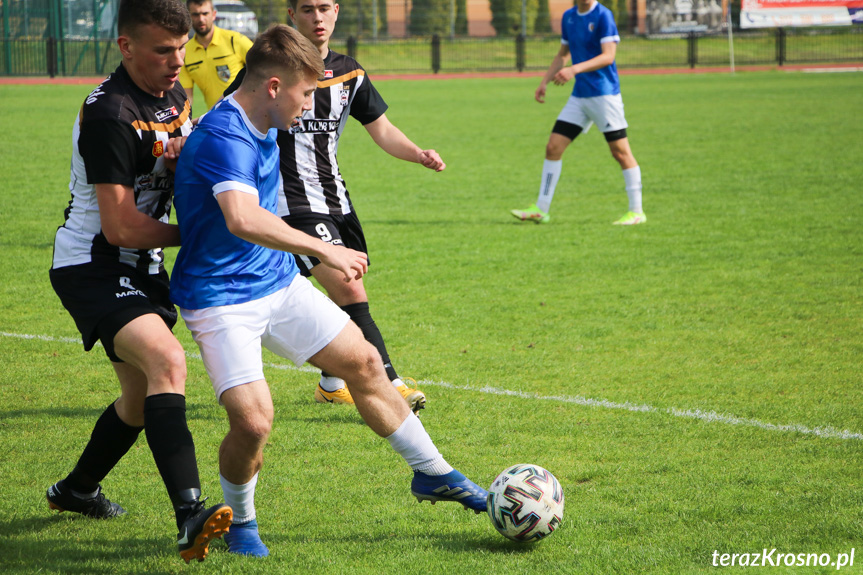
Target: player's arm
{"type": "Point", "coordinates": [246, 219]}
{"type": "Point", "coordinates": [558, 62]}
{"type": "Point", "coordinates": [125, 226]}
{"type": "Point", "coordinates": [609, 50]}
{"type": "Point", "coordinates": [395, 143]}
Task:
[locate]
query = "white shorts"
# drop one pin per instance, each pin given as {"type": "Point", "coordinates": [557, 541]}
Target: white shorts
{"type": "Point", "coordinates": [295, 323]}
{"type": "Point", "coordinates": [604, 111]}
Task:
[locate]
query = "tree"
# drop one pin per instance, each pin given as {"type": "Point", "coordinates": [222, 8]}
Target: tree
{"type": "Point", "coordinates": [506, 16]}
{"type": "Point", "coordinates": [430, 17]}
{"type": "Point", "coordinates": [356, 18]}
{"type": "Point", "coordinates": [543, 18]}
{"type": "Point", "coordinates": [461, 28]}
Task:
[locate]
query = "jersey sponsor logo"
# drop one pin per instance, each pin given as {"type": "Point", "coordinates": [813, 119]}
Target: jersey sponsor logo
{"type": "Point", "coordinates": [343, 79]}
{"type": "Point", "coordinates": [158, 148]}
{"type": "Point", "coordinates": [159, 182]}
{"type": "Point", "coordinates": [166, 114]}
{"type": "Point", "coordinates": [224, 72]}
{"type": "Point", "coordinates": [314, 126]}
{"type": "Point", "coordinates": [179, 118]}
{"type": "Point", "coordinates": [328, 73]}
{"type": "Point", "coordinates": [126, 283]}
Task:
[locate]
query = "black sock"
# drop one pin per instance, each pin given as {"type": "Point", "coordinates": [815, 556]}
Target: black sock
{"type": "Point", "coordinates": [359, 312]}
{"type": "Point", "coordinates": [173, 450]}
{"type": "Point", "coordinates": [110, 441]}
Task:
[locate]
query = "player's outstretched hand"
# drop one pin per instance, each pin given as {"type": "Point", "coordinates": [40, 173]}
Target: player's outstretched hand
{"type": "Point", "coordinates": [172, 151]}
{"type": "Point", "coordinates": [432, 160]}
{"type": "Point", "coordinates": [351, 263]}
{"type": "Point", "coordinates": [540, 93]}
{"type": "Point", "coordinates": [564, 75]}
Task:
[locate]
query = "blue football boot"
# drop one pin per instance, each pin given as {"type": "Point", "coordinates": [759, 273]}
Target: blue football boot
{"type": "Point", "coordinates": [450, 487]}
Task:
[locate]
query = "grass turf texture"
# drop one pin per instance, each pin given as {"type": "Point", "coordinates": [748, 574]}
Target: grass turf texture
{"type": "Point", "coordinates": [741, 296]}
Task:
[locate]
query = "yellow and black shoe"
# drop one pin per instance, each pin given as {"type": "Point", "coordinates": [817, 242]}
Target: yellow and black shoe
{"type": "Point", "coordinates": [415, 398]}
{"type": "Point", "coordinates": [338, 396]}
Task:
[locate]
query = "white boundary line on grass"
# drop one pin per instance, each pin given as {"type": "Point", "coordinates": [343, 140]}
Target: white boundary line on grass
{"type": "Point", "coordinates": [705, 416]}
{"type": "Point", "coordinates": [830, 70]}
{"type": "Point", "coordinates": [305, 368]}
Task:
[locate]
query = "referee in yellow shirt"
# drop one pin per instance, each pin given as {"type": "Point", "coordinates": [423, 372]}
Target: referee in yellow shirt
{"type": "Point", "coordinates": [213, 56]}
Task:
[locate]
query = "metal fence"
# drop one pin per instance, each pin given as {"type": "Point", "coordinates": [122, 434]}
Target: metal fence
{"type": "Point", "coordinates": [73, 57]}
{"type": "Point", "coordinates": [766, 47]}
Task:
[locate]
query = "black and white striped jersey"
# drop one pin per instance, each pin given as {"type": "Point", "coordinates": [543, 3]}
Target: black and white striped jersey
{"type": "Point", "coordinates": [119, 137]}
{"type": "Point", "coordinates": [309, 163]}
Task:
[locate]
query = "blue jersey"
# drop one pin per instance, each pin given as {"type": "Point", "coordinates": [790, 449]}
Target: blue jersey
{"type": "Point", "coordinates": [215, 267]}
{"type": "Point", "coordinates": [585, 34]}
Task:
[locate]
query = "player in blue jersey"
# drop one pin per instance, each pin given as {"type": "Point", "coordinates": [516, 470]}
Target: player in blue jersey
{"type": "Point", "coordinates": [589, 38]}
{"type": "Point", "coordinates": [238, 286]}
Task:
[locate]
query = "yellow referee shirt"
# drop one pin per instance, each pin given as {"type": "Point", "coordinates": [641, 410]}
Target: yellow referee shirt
{"type": "Point", "coordinates": [214, 68]}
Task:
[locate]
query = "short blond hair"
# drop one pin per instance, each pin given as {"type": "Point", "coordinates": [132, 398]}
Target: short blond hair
{"type": "Point", "coordinates": [279, 50]}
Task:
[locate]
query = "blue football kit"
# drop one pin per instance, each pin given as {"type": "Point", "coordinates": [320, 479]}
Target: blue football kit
{"type": "Point", "coordinates": [215, 267]}
{"type": "Point", "coordinates": [585, 34]}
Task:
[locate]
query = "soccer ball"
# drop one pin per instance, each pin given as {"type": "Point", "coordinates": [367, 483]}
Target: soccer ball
{"type": "Point", "coordinates": [525, 503]}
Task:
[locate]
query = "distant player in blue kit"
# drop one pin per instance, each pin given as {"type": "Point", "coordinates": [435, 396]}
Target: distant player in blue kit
{"type": "Point", "coordinates": [589, 37]}
{"type": "Point", "coordinates": [238, 286]}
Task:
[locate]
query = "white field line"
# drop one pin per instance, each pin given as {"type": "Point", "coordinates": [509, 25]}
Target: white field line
{"type": "Point", "coordinates": [705, 416]}
{"type": "Point", "coordinates": [830, 70]}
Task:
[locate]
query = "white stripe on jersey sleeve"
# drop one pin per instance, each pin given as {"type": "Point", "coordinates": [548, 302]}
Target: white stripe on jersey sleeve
{"type": "Point", "coordinates": [232, 185]}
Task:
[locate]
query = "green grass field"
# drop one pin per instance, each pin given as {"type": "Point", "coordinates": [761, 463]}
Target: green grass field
{"type": "Point", "coordinates": [694, 383]}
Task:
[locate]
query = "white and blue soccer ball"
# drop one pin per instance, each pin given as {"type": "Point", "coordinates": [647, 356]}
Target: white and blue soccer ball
{"type": "Point", "coordinates": [525, 503]}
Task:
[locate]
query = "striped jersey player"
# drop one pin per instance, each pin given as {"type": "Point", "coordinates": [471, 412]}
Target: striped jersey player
{"type": "Point", "coordinates": [125, 135]}
{"type": "Point", "coordinates": [309, 161]}
{"type": "Point", "coordinates": [316, 199]}
{"type": "Point", "coordinates": [108, 270]}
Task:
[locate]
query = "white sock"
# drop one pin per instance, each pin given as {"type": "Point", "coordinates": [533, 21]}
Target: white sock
{"type": "Point", "coordinates": [241, 498]}
{"type": "Point", "coordinates": [632, 179]}
{"type": "Point", "coordinates": [550, 176]}
{"type": "Point", "coordinates": [397, 382]}
{"type": "Point", "coordinates": [331, 384]}
{"type": "Point", "coordinates": [413, 443]}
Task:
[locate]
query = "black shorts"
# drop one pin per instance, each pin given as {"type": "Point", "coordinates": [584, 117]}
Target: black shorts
{"type": "Point", "coordinates": [102, 298]}
{"type": "Point", "coordinates": [343, 230]}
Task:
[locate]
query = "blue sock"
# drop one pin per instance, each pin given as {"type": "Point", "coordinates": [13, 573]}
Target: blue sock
{"type": "Point", "coordinates": [244, 539]}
